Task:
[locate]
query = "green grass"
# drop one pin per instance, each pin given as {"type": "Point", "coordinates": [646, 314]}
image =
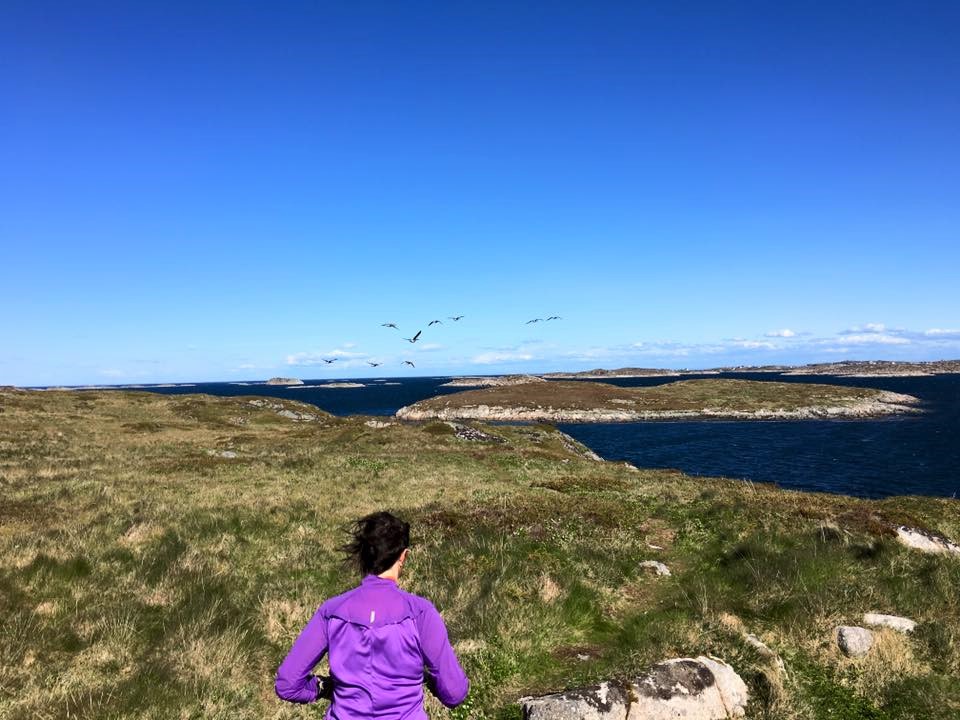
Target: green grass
{"type": "Point", "coordinates": [144, 575]}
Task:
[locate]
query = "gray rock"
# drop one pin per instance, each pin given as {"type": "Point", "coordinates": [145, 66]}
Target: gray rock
{"type": "Point", "coordinates": [853, 641]}
{"type": "Point", "coordinates": [656, 566]}
{"type": "Point", "coordinates": [697, 689]}
{"type": "Point", "coordinates": [606, 701]}
{"type": "Point", "coordinates": [296, 416]}
{"type": "Point", "coordinates": [229, 454]}
{"type": "Point", "coordinates": [927, 542]}
{"type": "Point", "coordinates": [895, 622]}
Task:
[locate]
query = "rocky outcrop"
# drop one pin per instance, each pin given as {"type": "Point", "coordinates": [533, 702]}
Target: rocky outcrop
{"type": "Point", "coordinates": [926, 541]}
{"type": "Point", "coordinates": [465, 432]}
{"type": "Point", "coordinates": [852, 640]}
{"type": "Point", "coordinates": [284, 381]}
{"type": "Point", "coordinates": [285, 412]}
{"type": "Point", "coordinates": [704, 688]}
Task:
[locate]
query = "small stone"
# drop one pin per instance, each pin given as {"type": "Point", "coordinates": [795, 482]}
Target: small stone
{"type": "Point", "coordinates": [895, 622]}
{"type": "Point", "coordinates": [658, 567]}
{"type": "Point", "coordinates": [377, 424]}
{"type": "Point", "coordinates": [229, 454]}
{"type": "Point", "coordinates": [853, 641]}
{"type": "Point", "coordinates": [764, 651]}
{"type": "Point", "coordinates": [927, 542]}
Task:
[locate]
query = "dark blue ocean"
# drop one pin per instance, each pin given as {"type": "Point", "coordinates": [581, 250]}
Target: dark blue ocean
{"type": "Point", "coordinates": [911, 455]}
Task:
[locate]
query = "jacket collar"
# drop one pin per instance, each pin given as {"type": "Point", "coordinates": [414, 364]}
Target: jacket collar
{"type": "Point", "coordinates": [376, 580]}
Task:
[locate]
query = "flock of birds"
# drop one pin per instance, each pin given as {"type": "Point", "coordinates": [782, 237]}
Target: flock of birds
{"type": "Point", "coordinates": [455, 318]}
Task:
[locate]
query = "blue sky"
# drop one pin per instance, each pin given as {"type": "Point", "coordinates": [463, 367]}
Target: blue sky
{"type": "Point", "coordinates": [204, 191]}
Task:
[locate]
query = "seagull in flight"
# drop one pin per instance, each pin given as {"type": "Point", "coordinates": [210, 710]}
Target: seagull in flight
{"type": "Point", "coordinates": [388, 325]}
{"type": "Point", "coordinates": [535, 320]}
{"type": "Point", "coordinates": [415, 337]}
{"type": "Point", "coordinates": [407, 362]}
{"type": "Point", "coordinates": [455, 318]}
{"type": "Point", "coordinates": [554, 317]}
{"type": "Point", "coordinates": [329, 361]}
{"type": "Point", "coordinates": [372, 364]}
{"type": "Point", "coordinates": [435, 322]}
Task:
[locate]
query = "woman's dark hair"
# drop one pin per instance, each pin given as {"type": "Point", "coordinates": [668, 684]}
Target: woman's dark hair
{"type": "Point", "coordinates": [378, 540]}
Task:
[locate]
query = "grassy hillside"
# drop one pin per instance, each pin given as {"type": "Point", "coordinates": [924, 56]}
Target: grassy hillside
{"type": "Point", "coordinates": [158, 554]}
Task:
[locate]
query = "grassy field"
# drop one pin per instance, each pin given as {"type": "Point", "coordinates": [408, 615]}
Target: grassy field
{"type": "Point", "coordinates": [145, 574]}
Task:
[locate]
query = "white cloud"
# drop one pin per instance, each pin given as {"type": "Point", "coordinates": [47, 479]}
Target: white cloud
{"type": "Point", "coordinates": [429, 347]}
{"type": "Point", "coordinates": [307, 359]}
{"type": "Point", "coordinates": [940, 332]}
{"type": "Point", "coordinates": [875, 339]}
{"type": "Point", "coordinates": [865, 328]}
{"type": "Point", "coordinates": [754, 344]}
{"type": "Point", "coordinates": [493, 357]}
{"type": "Point", "coordinates": [784, 333]}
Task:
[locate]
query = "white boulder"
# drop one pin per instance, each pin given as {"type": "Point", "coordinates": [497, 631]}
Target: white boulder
{"type": "Point", "coordinates": [656, 566]}
{"type": "Point", "coordinates": [704, 688]}
{"type": "Point", "coordinates": [926, 541]}
{"type": "Point", "coordinates": [895, 622]}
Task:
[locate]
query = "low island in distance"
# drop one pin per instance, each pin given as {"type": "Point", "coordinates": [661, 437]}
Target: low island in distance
{"type": "Point", "coordinates": [583, 401]}
{"type": "Point", "coordinates": [284, 381]}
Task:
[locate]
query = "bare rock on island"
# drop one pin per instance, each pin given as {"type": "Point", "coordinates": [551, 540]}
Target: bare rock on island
{"type": "Point", "coordinates": [493, 381]}
{"type": "Point", "coordinates": [284, 381]}
{"type": "Point", "coordinates": [699, 689]}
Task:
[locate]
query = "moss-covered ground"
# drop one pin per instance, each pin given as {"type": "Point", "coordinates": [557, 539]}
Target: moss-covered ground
{"type": "Point", "coordinates": [145, 575]}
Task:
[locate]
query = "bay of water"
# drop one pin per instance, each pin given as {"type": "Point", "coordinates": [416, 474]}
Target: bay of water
{"type": "Point", "coordinates": [904, 455]}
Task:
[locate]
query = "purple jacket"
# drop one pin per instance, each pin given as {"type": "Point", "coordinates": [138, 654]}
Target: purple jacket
{"type": "Point", "coordinates": [382, 643]}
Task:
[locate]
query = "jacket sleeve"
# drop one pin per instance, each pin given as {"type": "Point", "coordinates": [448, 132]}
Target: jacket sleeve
{"type": "Point", "coordinates": [445, 677]}
{"type": "Point", "coordinates": [294, 681]}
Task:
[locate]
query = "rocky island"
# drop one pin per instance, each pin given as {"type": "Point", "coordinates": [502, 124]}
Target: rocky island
{"type": "Point", "coordinates": [493, 381]}
{"type": "Point", "coordinates": [580, 401]}
{"type": "Point", "coordinates": [618, 373]}
{"type": "Point", "coordinates": [284, 381]}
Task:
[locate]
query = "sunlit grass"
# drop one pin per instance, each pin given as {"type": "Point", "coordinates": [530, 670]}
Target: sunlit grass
{"type": "Point", "coordinates": [143, 574]}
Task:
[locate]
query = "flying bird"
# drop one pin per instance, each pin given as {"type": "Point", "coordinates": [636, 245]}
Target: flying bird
{"type": "Point", "coordinates": [455, 318]}
{"type": "Point", "coordinates": [372, 364]}
{"type": "Point", "coordinates": [415, 337]}
{"type": "Point", "coordinates": [329, 361]}
{"type": "Point", "coordinates": [435, 322]}
{"type": "Point", "coordinates": [554, 317]}
{"type": "Point", "coordinates": [407, 362]}
{"type": "Point", "coordinates": [535, 320]}
{"type": "Point", "coordinates": [388, 325]}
